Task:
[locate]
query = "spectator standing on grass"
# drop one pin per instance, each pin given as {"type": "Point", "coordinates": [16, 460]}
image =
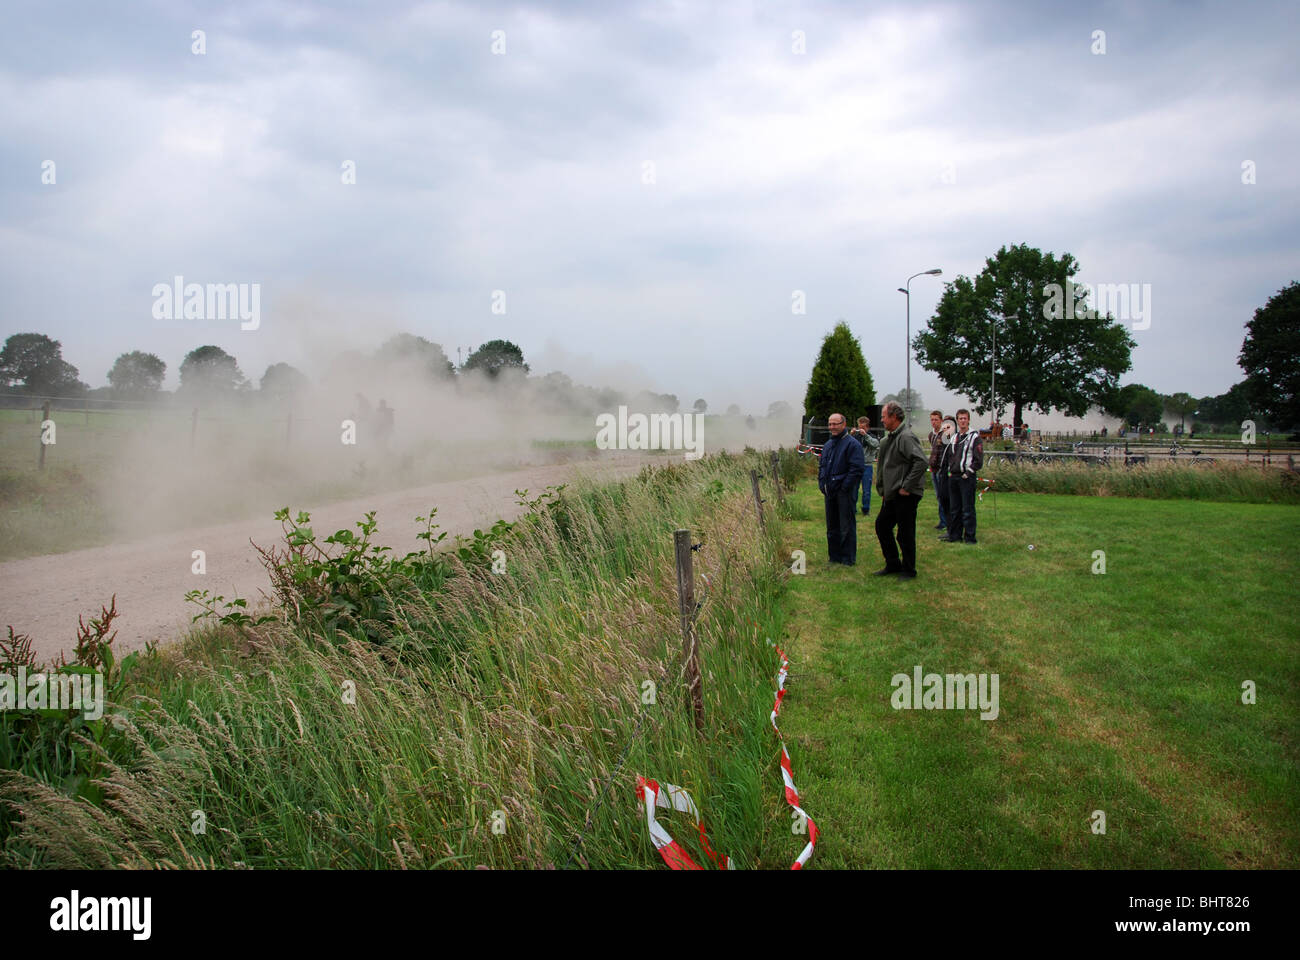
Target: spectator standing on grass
{"type": "Point", "coordinates": [964, 462]}
{"type": "Point", "coordinates": [947, 431]}
{"type": "Point", "coordinates": [870, 445]}
{"type": "Point", "coordinates": [838, 476]}
{"type": "Point", "coordinates": [940, 480]}
{"type": "Point", "coordinates": [900, 481]}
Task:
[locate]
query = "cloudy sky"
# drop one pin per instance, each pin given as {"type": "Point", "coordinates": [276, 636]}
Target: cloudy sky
{"type": "Point", "coordinates": [647, 183]}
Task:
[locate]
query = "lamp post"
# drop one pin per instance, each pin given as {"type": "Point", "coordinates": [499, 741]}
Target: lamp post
{"type": "Point", "coordinates": [907, 292]}
{"type": "Point", "coordinates": [993, 368]}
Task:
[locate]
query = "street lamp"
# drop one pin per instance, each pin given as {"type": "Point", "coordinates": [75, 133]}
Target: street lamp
{"type": "Point", "coordinates": [907, 291]}
{"type": "Point", "coordinates": [993, 368]}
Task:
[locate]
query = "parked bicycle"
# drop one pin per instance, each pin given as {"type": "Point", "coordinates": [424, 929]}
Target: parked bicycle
{"type": "Point", "coordinates": [1178, 448]}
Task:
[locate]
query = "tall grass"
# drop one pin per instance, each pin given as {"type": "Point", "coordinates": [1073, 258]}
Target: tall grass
{"type": "Point", "coordinates": [515, 718]}
{"type": "Point", "coordinates": [1232, 482]}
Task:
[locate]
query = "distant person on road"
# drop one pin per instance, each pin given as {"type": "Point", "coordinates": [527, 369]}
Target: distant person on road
{"type": "Point", "coordinates": [838, 475]}
{"type": "Point", "coordinates": [900, 481]}
{"type": "Point", "coordinates": [940, 481]}
{"type": "Point", "coordinates": [383, 422]}
{"type": "Point", "coordinates": [964, 462]}
{"type": "Point", "coordinates": [870, 445]}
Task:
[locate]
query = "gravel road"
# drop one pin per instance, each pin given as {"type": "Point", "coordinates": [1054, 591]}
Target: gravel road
{"type": "Point", "coordinates": [44, 596]}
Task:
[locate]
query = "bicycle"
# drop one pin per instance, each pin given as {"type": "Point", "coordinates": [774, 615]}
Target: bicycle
{"type": "Point", "coordinates": [1197, 459]}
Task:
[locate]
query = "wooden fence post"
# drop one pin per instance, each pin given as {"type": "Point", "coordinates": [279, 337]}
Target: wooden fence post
{"type": "Point", "coordinates": [776, 477]}
{"type": "Point", "coordinates": [758, 501]}
{"type": "Point", "coordinates": [686, 609]}
{"type": "Point", "coordinates": [45, 415]}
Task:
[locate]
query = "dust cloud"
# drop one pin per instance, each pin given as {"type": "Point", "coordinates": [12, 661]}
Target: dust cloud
{"type": "Point", "coordinates": [248, 453]}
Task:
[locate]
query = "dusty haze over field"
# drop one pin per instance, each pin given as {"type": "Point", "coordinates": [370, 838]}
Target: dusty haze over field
{"type": "Point", "coordinates": [248, 459]}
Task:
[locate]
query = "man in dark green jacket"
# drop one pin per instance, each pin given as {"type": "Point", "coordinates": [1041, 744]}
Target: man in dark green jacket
{"type": "Point", "coordinates": [900, 481]}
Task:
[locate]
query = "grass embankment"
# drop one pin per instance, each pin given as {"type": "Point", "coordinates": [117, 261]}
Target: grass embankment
{"type": "Point", "coordinates": [1119, 692]}
{"type": "Point", "coordinates": [504, 699]}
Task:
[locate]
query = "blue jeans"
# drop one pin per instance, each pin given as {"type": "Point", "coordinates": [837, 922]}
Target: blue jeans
{"type": "Point", "coordinates": [961, 508]}
{"type": "Point", "coordinates": [866, 488]}
{"type": "Point", "coordinates": [941, 494]}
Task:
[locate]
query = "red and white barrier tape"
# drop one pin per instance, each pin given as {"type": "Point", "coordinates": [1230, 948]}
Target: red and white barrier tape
{"type": "Point", "coordinates": [791, 793]}
{"type": "Point", "coordinates": [814, 449]}
{"type": "Point", "coordinates": [671, 797]}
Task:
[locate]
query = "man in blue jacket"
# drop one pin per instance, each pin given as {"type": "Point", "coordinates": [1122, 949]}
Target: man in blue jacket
{"type": "Point", "coordinates": [838, 476]}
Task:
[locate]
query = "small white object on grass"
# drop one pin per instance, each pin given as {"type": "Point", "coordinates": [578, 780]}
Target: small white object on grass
{"type": "Point", "coordinates": [1031, 546]}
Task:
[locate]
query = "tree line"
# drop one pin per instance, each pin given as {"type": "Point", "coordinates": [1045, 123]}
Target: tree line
{"type": "Point", "coordinates": [32, 364]}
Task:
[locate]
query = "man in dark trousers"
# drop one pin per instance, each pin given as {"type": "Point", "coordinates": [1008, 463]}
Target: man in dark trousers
{"type": "Point", "coordinates": [940, 480]}
{"type": "Point", "coordinates": [900, 481]}
{"type": "Point", "coordinates": [838, 476]}
{"type": "Point", "coordinates": [964, 460]}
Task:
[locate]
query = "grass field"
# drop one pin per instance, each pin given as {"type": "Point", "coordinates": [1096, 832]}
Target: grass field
{"type": "Point", "coordinates": [1119, 692]}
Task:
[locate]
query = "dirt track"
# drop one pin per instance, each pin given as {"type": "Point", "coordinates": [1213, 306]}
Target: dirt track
{"type": "Point", "coordinates": [44, 596]}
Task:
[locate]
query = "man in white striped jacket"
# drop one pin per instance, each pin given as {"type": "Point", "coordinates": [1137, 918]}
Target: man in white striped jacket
{"type": "Point", "coordinates": [964, 461]}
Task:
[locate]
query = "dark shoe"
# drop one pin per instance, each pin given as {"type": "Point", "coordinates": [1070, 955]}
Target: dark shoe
{"type": "Point", "coordinates": [940, 526]}
{"type": "Point", "coordinates": [950, 539]}
{"type": "Point", "coordinates": [906, 574]}
{"type": "Point", "coordinates": [884, 572]}
{"type": "Point", "coordinates": [970, 541]}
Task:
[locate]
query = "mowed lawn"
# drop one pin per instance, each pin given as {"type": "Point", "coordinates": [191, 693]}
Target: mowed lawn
{"type": "Point", "coordinates": [1119, 692]}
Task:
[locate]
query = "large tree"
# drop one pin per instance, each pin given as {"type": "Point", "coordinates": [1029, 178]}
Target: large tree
{"type": "Point", "coordinates": [136, 375]}
{"type": "Point", "coordinates": [210, 370]}
{"type": "Point", "coordinates": [407, 348]}
{"type": "Point", "coordinates": [1046, 357]}
{"type": "Point", "coordinates": [1182, 404]}
{"type": "Point", "coordinates": [1227, 408]}
{"type": "Point", "coordinates": [495, 356]}
{"type": "Point", "coordinates": [283, 381]}
{"type": "Point", "coordinates": [1135, 404]}
{"type": "Point", "coordinates": [840, 381]}
{"type": "Point", "coordinates": [1270, 355]}
{"type": "Point", "coordinates": [34, 364]}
